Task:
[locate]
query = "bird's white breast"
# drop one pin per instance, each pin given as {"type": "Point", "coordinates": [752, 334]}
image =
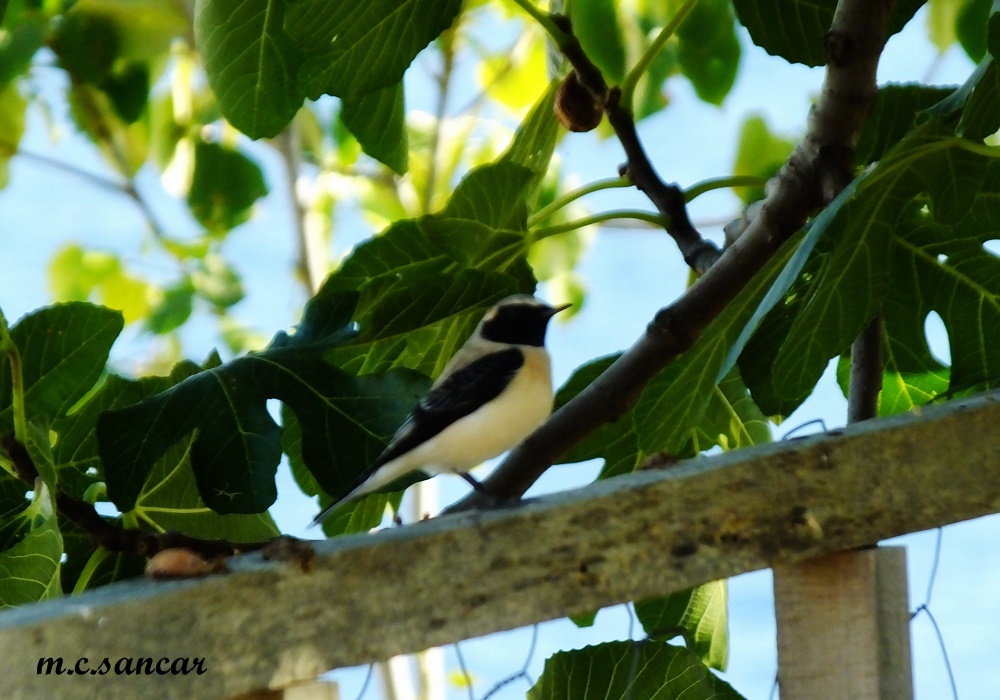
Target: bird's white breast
{"type": "Point", "coordinates": [495, 427]}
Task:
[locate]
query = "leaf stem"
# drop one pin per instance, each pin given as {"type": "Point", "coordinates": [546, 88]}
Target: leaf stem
{"type": "Point", "coordinates": [95, 560]}
{"type": "Point", "coordinates": [719, 183]}
{"type": "Point", "coordinates": [543, 233]}
{"type": "Point", "coordinates": [570, 197]}
{"type": "Point", "coordinates": [545, 20]}
{"type": "Point", "coordinates": [8, 347]}
{"type": "Point", "coordinates": [647, 58]}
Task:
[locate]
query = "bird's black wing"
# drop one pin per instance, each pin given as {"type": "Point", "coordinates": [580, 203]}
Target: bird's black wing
{"type": "Point", "coordinates": [464, 391]}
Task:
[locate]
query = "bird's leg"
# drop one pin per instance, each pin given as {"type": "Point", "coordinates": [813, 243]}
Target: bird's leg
{"type": "Point", "coordinates": [495, 501]}
{"type": "Point", "coordinates": [478, 486]}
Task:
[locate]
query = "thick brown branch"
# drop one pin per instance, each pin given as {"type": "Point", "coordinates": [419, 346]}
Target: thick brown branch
{"type": "Point", "coordinates": [114, 538]}
{"type": "Point", "coordinates": [820, 161]}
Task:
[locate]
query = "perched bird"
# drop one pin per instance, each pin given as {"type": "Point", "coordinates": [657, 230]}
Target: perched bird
{"type": "Point", "coordinates": [491, 395]}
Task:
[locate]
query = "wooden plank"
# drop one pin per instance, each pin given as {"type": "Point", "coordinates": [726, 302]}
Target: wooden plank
{"type": "Point", "coordinates": [844, 626]}
{"type": "Point", "coordinates": [373, 596]}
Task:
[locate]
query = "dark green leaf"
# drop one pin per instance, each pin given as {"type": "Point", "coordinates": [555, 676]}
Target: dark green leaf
{"type": "Point", "coordinates": [896, 110]}
{"type": "Point", "coordinates": [224, 186]}
{"type": "Point", "coordinates": [251, 62]}
{"type": "Point", "coordinates": [945, 268]}
{"type": "Point", "coordinates": [63, 352]}
{"type": "Point", "coordinates": [700, 614]}
{"type": "Point", "coordinates": [732, 419]}
{"type": "Point", "coordinates": [585, 620]}
{"type": "Point", "coordinates": [981, 116]}
{"type": "Point", "coordinates": [794, 29]}
{"type": "Point", "coordinates": [616, 443]}
{"type": "Point", "coordinates": [596, 25]}
{"type": "Point", "coordinates": [419, 324]}
{"type": "Point", "coordinates": [173, 310]}
{"type": "Point", "coordinates": [19, 43]}
{"type": "Point", "coordinates": [354, 48]}
{"type": "Point", "coordinates": [708, 51]}
{"type": "Point", "coordinates": [623, 670]}
{"type": "Point", "coordinates": [39, 448]}
{"type": "Point", "coordinates": [851, 283]}
{"type": "Point", "coordinates": [993, 32]}
{"type": "Point", "coordinates": [86, 44]}
{"type": "Point", "coordinates": [359, 516]}
{"type": "Point", "coordinates": [128, 89]}
{"type": "Point", "coordinates": [378, 121]}
{"type": "Point", "coordinates": [970, 27]}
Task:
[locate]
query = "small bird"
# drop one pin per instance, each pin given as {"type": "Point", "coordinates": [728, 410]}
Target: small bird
{"type": "Point", "coordinates": [491, 395]}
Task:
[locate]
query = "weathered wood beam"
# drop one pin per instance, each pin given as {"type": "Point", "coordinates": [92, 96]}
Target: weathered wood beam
{"type": "Point", "coordinates": [451, 578]}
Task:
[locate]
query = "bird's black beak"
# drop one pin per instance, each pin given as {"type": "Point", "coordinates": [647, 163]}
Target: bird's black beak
{"type": "Point", "coordinates": [553, 310]}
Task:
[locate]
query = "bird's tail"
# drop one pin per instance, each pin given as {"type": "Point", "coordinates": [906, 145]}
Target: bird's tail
{"type": "Point", "coordinates": [365, 484]}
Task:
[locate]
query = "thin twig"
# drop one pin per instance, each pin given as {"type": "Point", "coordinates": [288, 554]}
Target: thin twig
{"type": "Point", "coordinates": [669, 200]}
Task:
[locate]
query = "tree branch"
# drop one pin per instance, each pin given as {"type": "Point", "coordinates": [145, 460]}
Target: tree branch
{"type": "Point", "coordinates": [866, 373]}
{"type": "Point", "coordinates": [822, 159]}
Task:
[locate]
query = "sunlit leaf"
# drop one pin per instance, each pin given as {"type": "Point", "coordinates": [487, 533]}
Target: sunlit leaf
{"type": "Point", "coordinates": [941, 16]}
{"type": "Point", "coordinates": [623, 670]}
{"type": "Point", "coordinates": [514, 79]}
{"type": "Point", "coordinates": [700, 612]}
{"type": "Point", "coordinates": [30, 568]}
{"type": "Point", "coordinates": [12, 113]}
{"type": "Point", "coordinates": [761, 153]}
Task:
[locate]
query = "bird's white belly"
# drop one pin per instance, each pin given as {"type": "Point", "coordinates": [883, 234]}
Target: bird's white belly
{"type": "Point", "coordinates": [492, 429]}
